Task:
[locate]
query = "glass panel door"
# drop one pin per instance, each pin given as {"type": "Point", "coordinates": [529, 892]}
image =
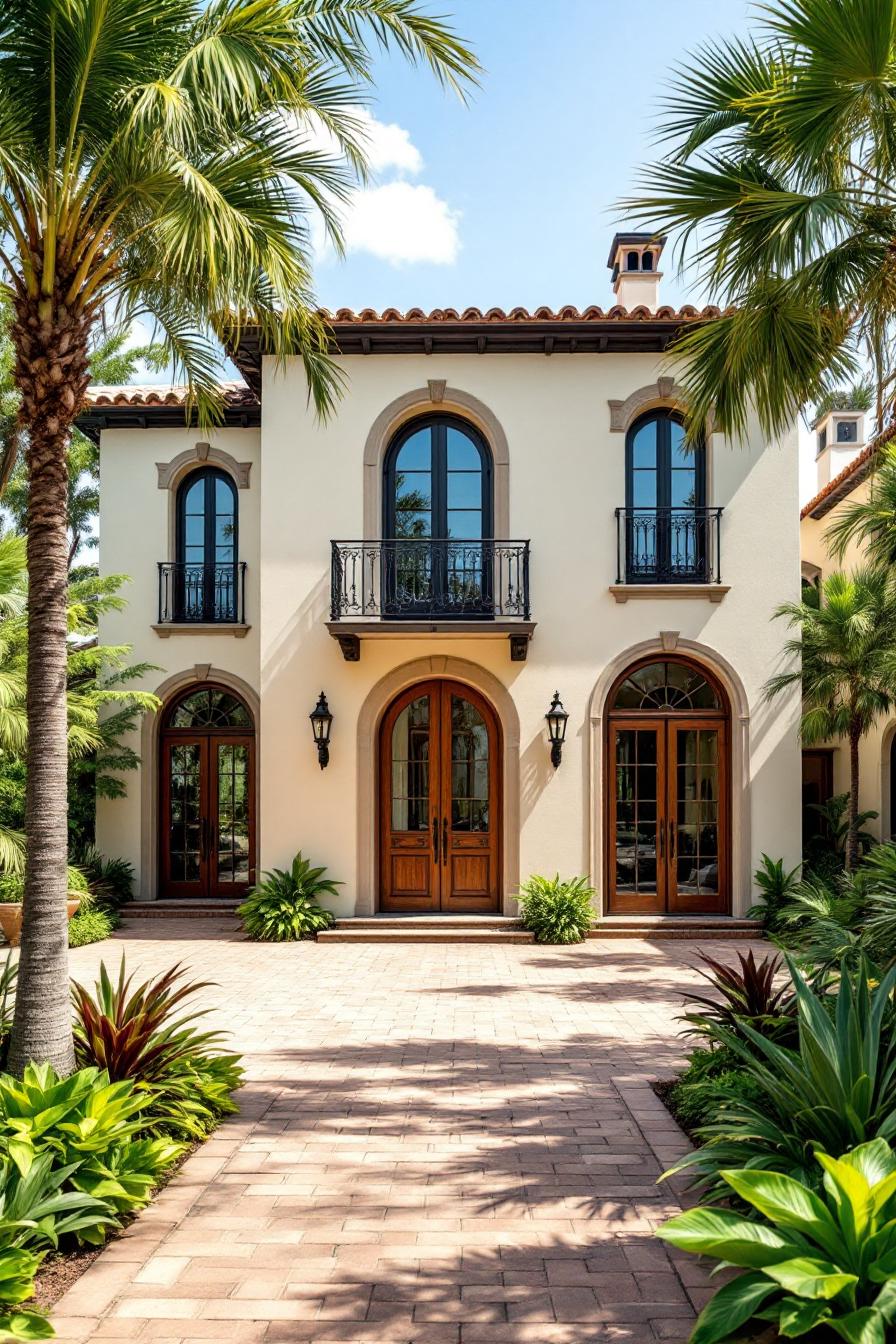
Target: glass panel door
{"type": "Point", "coordinates": [409, 834]}
{"type": "Point", "coordinates": [469, 850]}
{"type": "Point", "coordinates": [697, 811]}
{"type": "Point", "coordinates": [233, 839]}
{"type": "Point", "coordinates": [184, 827]}
{"type": "Point", "coordinates": [637, 817]}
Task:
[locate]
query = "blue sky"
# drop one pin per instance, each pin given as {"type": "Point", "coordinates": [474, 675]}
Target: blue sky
{"type": "Point", "coordinates": [511, 199]}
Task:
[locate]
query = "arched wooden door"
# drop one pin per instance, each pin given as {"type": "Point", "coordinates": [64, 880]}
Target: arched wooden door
{"type": "Point", "coordinates": [440, 801]}
{"type": "Point", "coordinates": [668, 791]}
{"type": "Point", "coordinates": [207, 795]}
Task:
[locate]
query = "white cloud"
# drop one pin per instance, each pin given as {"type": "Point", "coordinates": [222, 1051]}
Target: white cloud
{"type": "Point", "coordinates": [388, 145]}
{"type": "Point", "coordinates": [402, 224]}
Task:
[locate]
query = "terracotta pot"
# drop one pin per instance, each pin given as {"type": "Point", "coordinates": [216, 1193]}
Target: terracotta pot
{"type": "Point", "coordinates": [11, 918]}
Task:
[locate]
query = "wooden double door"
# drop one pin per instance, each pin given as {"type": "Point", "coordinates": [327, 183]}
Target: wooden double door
{"type": "Point", "coordinates": [440, 802]}
{"type": "Point", "coordinates": [668, 815]}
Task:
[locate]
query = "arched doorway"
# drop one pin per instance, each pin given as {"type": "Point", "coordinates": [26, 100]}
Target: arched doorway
{"type": "Point", "coordinates": [440, 801]}
{"type": "Point", "coordinates": [668, 790]}
{"type": "Point", "coordinates": [207, 795]}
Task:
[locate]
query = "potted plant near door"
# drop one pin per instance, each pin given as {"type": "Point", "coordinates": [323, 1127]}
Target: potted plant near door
{"type": "Point", "coordinates": [12, 891]}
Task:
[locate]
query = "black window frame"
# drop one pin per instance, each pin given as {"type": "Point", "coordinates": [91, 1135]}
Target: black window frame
{"type": "Point", "coordinates": [439, 475]}
{"type": "Point", "coordinates": [663, 507]}
{"type": "Point", "coordinates": [218, 601]}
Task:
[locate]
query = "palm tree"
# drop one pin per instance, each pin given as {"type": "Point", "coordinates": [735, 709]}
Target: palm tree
{"type": "Point", "coordinates": [779, 185]}
{"type": "Point", "coordinates": [847, 642]}
{"type": "Point", "coordinates": [872, 520]}
{"type": "Point", "coordinates": [158, 157]}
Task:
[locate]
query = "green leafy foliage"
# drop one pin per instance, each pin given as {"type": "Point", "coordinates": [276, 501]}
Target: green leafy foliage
{"type": "Point", "coordinates": [91, 926]}
{"type": "Point", "coordinates": [835, 1090]}
{"type": "Point", "coordinates": [776, 885]}
{"type": "Point", "coordinates": [285, 906]}
{"type": "Point", "coordinates": [746, 993]}
{"type": "Point", "coordinates": [816, 1258]}
{"type": "Point", "coordinates": [195, 1092]}
{"type": "Point", "coordinates": [111, 881]}
{"type": "Point", "coordinates": [712, 1077]}
{"type": "Point", "coordinates": [557, 910]}
{"type": "Point", "coordinates": [17, 1270]}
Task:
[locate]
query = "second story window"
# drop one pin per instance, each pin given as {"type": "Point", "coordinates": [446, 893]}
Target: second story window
{"type": "Point", "coordinates": [665, 502]}
{"type": "Point", "coordinates": [206, 571]}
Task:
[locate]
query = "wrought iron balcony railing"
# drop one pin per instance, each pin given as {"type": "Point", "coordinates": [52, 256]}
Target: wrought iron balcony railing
{"type": "Point", "coordinates": [202, 594]}
{"type": "Point", "coordinates": [424, 578]}
{"type": "Point", "coordinates": [668, 545]}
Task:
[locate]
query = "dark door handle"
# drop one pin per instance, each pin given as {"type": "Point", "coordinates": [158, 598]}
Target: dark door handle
{"type": "Point", "coordinates": [671, 838]}
{"type": "Point", "coordinates": [444, 839]}
{"type": "Point", "coordinates": [203, 838]}
{"type": "Point", "coordinates": [662, 836]}
{"type": "Point", "coordinates": [435, 838]}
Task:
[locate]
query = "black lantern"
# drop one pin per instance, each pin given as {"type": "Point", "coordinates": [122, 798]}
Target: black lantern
{"type": "Point", "coordinates": [556, 717]}
{"type": "Point", "coordinates": [321, 722]}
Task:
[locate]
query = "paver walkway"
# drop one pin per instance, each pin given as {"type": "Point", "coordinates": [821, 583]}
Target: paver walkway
{"type": "Point", "coordinates": [437, 1145]}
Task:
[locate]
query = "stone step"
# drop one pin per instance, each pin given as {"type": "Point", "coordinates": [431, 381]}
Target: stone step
{"type": "Point", "coordinates": [722, 927]}
{"type": "Point", "coordinates": [182, 909]}
{"type": "Point", "coordinates": [417, 934]}
{"type": "Point", "coordinates": [434, 921]}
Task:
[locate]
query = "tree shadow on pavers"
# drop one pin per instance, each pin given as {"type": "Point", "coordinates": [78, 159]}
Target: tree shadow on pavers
{"type": "Point", "coordinates": [614, 1284]}
{"type": "Point", "coordinates": [486, 1129]}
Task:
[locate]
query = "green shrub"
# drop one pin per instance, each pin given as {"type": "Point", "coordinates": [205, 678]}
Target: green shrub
{"type": "Point", "coordinates": [193, 1095]}
{"type": "Point", "coordinates": [557, 910]}
{"type": "Point", "coordinates": [285, 907]}
{"type": "Point", "coordinates": [72, 1117]}
{"type": "Point", "coordinates": [836, 1090]}
{"type": "Point", "coordinates": [91, 926]}
{"type": "Point", "coordinates": [12, 886]}
{"type": "Point", "coordinates": [817, 1265]}
{"type": "Point", "coordinates": [712, 1077]}
{"type": "Point", "coordinates": [17, 1270]}
{"type": "Point", "coordinates": [111, 881]}
{"type": "Point", "coordinates": [8, 975]}
{"type": "Point", "coordinates": [777, 887]}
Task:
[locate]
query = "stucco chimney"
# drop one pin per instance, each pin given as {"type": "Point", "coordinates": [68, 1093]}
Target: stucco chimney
{"type": "Point", "coordinates": [839, 438]}
{"type": "Point", "coordinates": [634, 262]}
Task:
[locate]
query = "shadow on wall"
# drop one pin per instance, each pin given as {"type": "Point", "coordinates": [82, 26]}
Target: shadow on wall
{"type": "Point", "coordinates": [536, 773]}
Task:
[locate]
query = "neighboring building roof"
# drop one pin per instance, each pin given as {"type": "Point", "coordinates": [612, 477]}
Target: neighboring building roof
{"type": "Point", "coordinates": [141, 407]}
{"type": "Point", "coordinates": [848, 479]}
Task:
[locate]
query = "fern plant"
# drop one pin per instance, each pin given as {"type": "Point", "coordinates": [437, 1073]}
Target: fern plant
{"type": "Point", "coordinates": [776, 885]}
{"type": "Point", "coordinates": [557, 910]}
{"type": "Point", "coordinates": [285, 906]}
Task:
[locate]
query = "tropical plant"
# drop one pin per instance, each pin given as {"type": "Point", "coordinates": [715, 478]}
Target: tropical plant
{"type": "Point", "coordinates": [74, 1117]}
{"type": "Point", "coordinates": [17, 1270]}
{"type": "Point", "coordinates": [869, 521]}
{"type": "Point", "coordinates": [818, 1265]}
{"type": "Point", "coordinates": [859, 396]}
{"type": "Point", "coordinates": [557, 910]}
{"type": "Point", "coordinates": [776, 885]}
{"type": "Point", "coordinates": [137, 1033]}
{"type": "Point", "coordinates": [823, 920]}
{"type": "Point", "coordinates": [843, 657]}
{"type": "Point", "coordinates": [91, 926]}
{"type": "Point", "coordinates": [778, 184]}
{"type": "Point", "coordinates": [194, 1094]}
{"type": "Point", "coordinates": [285, 906]}
{"type": "Point", "coordinates": [124, 1176]}
{"type": "Point", "coordinates": [111, 881]}
{"type": "Point", "coordinates": [836, 1090]}
{"type": "Point", "coordinates": [8, 974]}
{"type": "Point", "coordinates": [36, 1210]}
{"type": "Point", "coordinates": [834, 814]}
{"type": "Point", "coordinates": [743, 993]}
{"type": "Point", "coordinates": [698, 1095]}
{"type": "Point", "coordinates": [159, 159]}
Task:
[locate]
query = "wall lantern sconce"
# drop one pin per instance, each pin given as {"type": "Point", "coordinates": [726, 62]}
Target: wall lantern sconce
{"type": "Point", "coordinates": [321, 723]}
{"type": "Point", "coordinates": [557, 718]}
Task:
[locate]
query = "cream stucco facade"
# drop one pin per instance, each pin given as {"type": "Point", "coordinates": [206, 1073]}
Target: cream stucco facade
{"type": "Point", "coordinates": [557, 439]}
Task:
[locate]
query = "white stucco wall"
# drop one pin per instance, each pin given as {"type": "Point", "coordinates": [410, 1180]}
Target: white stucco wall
{"type": "Point", "coordinates": [567, 475]}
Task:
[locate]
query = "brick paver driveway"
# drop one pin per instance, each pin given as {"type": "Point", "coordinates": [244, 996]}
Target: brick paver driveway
{"type": "Point", "coordinates": [437, 1144]}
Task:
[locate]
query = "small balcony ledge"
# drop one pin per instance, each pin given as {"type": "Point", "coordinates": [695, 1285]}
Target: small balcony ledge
{"type": "Point", "coordinates": [709, 592]}
{"type": "Point", "coordinates": [349, 634]}
{"type": "Point", "coordinates": [234, 628]}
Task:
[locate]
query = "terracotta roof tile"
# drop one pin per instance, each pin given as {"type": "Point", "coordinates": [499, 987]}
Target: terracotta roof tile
{"type": "Point", "coordinates": [848, 479]}
{"type": "Point", "coordinates": [568, 313]}
{"type": "Point", "coordinates": [235, 395]}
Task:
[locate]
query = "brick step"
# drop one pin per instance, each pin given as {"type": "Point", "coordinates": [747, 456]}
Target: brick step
{"type": "Point", "coordinates": [434, 921]}
{"type": "Point", "coordinates": [185, 909]}
{"type": "Point", "coordinates": [414, 934]}
{"type": "Point", "coordinates": [676, 926]}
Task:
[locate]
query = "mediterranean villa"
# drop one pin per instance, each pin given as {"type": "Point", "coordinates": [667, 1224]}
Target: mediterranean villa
{"type": "Point", "coordinates": [492, 618]}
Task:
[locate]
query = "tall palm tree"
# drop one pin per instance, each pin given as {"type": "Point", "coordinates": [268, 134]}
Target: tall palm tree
{"type": "Point", "coordinates": [846, 638]}
{"type": "Point", "coordinates": [872, 520]}
{"type": "Point", "coordinates": [779, 182]}
{"type": "Point", "coordinates": [158, 157]}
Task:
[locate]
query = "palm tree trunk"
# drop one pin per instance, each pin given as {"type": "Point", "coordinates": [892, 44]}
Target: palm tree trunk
{"type": "Point", "coordinates": [852, 834]}
{"type": "Point", "coordinates": [51, 372]}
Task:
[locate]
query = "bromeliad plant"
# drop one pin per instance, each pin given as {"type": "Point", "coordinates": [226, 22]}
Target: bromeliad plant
{"type": "Point", "coordinates": [745, 993]}
{"type": "Point", "coordinates": [818, 1265]}
{"type": "Point", "coordinates": [557, 910]}
{"type": "Point", "coordinates": [285, 907]}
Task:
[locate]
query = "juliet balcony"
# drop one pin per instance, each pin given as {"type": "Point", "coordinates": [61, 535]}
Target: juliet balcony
{"type": "Point", "coordinates": [423, 586]}
{"type": "Point", "coordinates": [202, 598]}
{"type": "Point", "coordinates": [669, 552]}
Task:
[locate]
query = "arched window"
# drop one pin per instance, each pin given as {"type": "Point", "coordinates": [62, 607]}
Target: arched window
{"type": "Point", "coordinates": [646, 261]}
{"type": "Point", "coordinates": [665, 500]}
{"type": "Point", "coordinates": [631, 261]}
{"type": "Point", "coordinates": [667, 685]}
{"type": "Point", "coordinates": [207, 540]}
{"type": "Point", "coordinates": [438, 512]}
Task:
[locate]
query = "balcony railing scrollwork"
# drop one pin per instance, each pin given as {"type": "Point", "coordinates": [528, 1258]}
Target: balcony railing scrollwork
{"type": "Point", "coordinates": [668, 545]}
{"type": "Point", "coordinates": [202, 594]}
{"type": "Point", "coordinates": [424, 578]}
